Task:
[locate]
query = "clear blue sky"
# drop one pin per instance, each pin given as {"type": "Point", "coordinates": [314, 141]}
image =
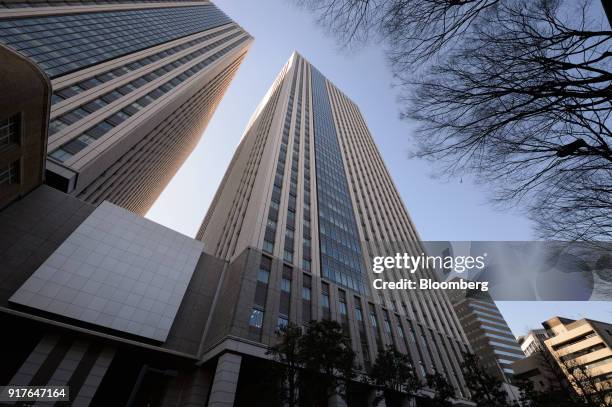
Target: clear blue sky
{"type": "Point", "coordinates": [441, 210]}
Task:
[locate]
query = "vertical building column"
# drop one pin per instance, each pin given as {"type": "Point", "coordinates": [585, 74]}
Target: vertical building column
{"type": "Point", "coordinates": [69, 363]}
{"type": "Point", "coordinates": [225, 382]}
{"type": "Point", "coordinates": [94, 377]}
{"type": "Point", "coordinates": [188, 389]}
{"type": "Point", "coordinates": [37, 357]}
{"type": "Point", "coordinates": [198, 389]}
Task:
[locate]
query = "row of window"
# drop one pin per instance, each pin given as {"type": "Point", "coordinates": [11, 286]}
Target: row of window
{"type": "Point", "coordinates": [295, 158]}
{"type": "Point", "coordinates": [131, 178]}
{"type": "Point", "coordinates": [486, 325]}
{"type": "Point", "coordinates": [9, 174]}
{"type": "Point", "coordinates": [90, 83]}
{"type": "Point", "coordinates": [257, 315]}
{"type": "Point", "coordinates": [270, 233]}
{"type": "Point", "coordinates": [507, 337]}
{"type": "Point", "coordinates": [337, 224]}
{"type": "Point", "coordinates": [600, 362]}
{"type": "Point", "coordinates": [79, 143]}
{"type": "Point", "coordinates": [513, 347]}
{"type": "Point", "coordinates": [489, 320]}
{"type": "Point", "coordinates": [488, 306]}
{"type": "Point", "coordinates": [488, 313]}
{"type": "Point", "coordinates": [306, 225]}
{"type": "Point", "coordinates": [81, 112]}
{"type": "Point", "coordinates": [573, 341]}
{"type": "Point", "coordinates": [516, 354]}
{"type": "Point", "coordinates": [54, 3]}
{"type": "Point", "coordinates": [10, 131]}
{"type": "Point", "coordinates": [65, 43]}
{"type": "Point", "coordinates": [10, 134]}
{"type": "Point", "coordinates": [583, 352]}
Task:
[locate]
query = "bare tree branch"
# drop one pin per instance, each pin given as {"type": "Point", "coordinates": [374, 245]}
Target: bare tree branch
{"type": "Point", "coordinates": [516, 92]}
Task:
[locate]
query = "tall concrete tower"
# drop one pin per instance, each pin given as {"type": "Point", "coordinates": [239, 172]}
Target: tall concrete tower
{"type": "Point", "coordinates": [305, 203]}
{"type": "Point", "coordinates": [134, 85]}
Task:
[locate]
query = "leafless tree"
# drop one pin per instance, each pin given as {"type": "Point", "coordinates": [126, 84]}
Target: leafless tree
{"type": "Point", "coordinates": [591, 390]}
{"type": "Point", "coordinates": [568, 380]}
{"type": "Point", "coordinates": [517, 93]}
{"type": "Point", "coordinates": [415, 30]}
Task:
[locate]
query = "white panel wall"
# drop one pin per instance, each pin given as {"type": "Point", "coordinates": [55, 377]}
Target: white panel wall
{"type": "Point", "coordinates": [116, 270]}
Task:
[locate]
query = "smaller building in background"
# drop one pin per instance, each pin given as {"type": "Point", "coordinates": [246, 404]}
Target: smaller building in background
{"type": "Point", "coordinates": [487, 332]}
{"type": "Point", "coordinates": [535, 367]}
{"type": "Point", "coordinates": [25, 94]}
{"type": "Point", "coordinates": [541, 370]}
{"type": "Point", "coordinates": [582, 347]}
{"type": "Point", "coordinates": [533, 341]}
{"type": "Point", "coordinates": [568, 353]}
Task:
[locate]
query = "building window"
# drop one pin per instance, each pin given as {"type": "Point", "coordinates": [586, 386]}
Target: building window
{"type": "Point", "coordinates": [268, 246]}
{"type": "Point", "coordinates": [288, 256]}
{"type": "Point", "coordinates": [9, 131]}
{"type": "Point", "coordinates": [135, 29]}
{"type": "Point", "coordinates": [387, 326]}
{"type": "Point", "coordinates": [342, 308]}
{"type": "Point", "coordinates": [265, 266]}
{"type": "Point", "coordinates": [256, 320]}
{"type": "Point", "coordinates": [325, 300]}
{"type": "Point", "coordinates": [286, 285]}
{"type": "Point", "coordinates": [61, 155]}
{"type": "Point", "coordinates": [306, 293]}
{"type": "Point", "coordinates": [422, 368]}
{"type": "Point", "coordinates": [290, 218]}
{"type": "Point", "coordinates": [400, 331]}
{"type": "Point", "coordinates": [263, 276]}
{"type": "Point", "coordinates": [10, 174]}
{"type": "Point", "coordinates": [373, 320]}
{"type": "Point", "coordinates": [283, 321]}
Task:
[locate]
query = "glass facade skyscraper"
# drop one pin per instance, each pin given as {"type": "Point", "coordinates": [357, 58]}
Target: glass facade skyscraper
{"type": "Point", "coordinates": [134, 86]}
{"type": "Point", "coordinates": [341, 257]}
{"type": "Point", "coordinates": [304, 205]}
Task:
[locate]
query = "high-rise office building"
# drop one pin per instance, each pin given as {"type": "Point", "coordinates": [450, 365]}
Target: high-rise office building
{"type": "Point", "coordinates": [128, 312]}
{"type": "Point", "coordinates": [487, 332]}
{"type": "Point", "coordinates": [306, 201]}
{"type": "Point", "coordinates": [134, 85]}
